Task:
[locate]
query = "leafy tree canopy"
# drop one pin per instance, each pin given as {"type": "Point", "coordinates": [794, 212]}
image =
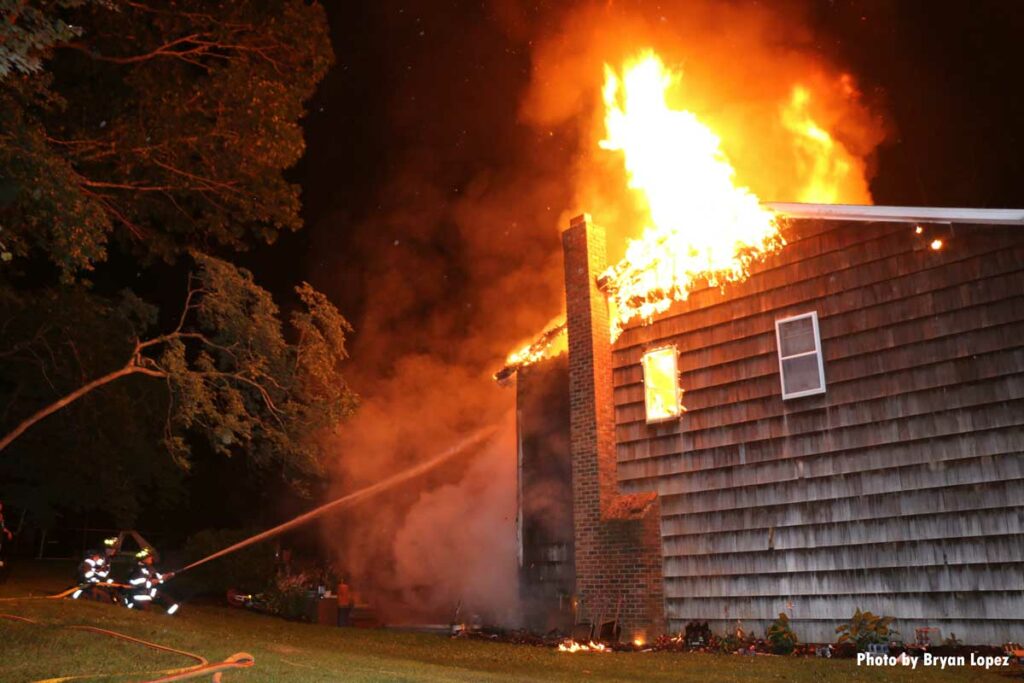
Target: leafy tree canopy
{"type": "Point", "coordinates": [154, 129]}
{"type": "Point", "coordinates": [164, 125]}
{"type": "Point", "coordinates": [231, 372]}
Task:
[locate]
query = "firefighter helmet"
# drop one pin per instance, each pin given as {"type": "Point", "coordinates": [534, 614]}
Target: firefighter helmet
{"type": "Point", "coordinates": [110, 542]}
{"type": "Point", "coordinates": [144, 553]}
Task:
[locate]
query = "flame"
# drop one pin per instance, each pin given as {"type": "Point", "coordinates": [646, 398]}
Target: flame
{"type": "Point", "coordinates": [552, 342]}
{"type": "Point", "coordinates": [825, 165]}
{"type": "Point", "coordinates": [573, 646]}
{"type": "Point", "coordinates": [703, 225]}
{"type": "Point", "coordinates": [699, 223]}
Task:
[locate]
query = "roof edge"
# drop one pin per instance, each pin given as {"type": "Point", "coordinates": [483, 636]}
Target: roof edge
{"type": "Point", "coordinates": [898, 214]}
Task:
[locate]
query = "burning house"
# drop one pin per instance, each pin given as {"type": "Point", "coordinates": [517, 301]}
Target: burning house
{"type": "Point", "coordinates": [842, 429]}
{"type": "Point", "coordinates": [762, 409]}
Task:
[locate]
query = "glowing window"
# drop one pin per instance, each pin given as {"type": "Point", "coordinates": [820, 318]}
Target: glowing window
{"type": "Point", "coordinates": [663, 397]}
{"type": "Point", "coordinates": [801, 368]}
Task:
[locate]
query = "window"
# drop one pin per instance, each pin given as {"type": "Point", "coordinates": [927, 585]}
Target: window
{"type": "Point", "coordinates": [800, 364]}
{"type": "Point", "coordinates": [663, 398]}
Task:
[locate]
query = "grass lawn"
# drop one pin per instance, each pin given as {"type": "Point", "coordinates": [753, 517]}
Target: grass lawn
{"type": "Point", "coordinates": [286, 651]}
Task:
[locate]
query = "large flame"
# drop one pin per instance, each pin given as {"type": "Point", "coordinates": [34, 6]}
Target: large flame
{"type": "Point", "coordinates": [702, 224]}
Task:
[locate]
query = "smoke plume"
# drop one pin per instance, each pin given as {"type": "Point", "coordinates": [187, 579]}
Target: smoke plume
{"type": "Point", "coordinates": [493, 126]}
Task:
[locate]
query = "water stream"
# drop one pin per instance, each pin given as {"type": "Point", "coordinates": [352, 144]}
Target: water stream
{"type": "Point", "coordinates": [474, 439]}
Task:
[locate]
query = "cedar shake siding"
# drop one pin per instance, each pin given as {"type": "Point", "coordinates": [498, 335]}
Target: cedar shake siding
{"type": "Point", "coordinates": [899, 490]}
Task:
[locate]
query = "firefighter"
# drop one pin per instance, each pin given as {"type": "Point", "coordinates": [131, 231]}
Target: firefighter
{"type": "Point", "coordinates": [109, 552]}
{"type": "Point", "coordinates": [104, 569]}
{"type": "Point", "coordinates": [143, 584]}
{"type": "Point", "coordinates": [90, 573]}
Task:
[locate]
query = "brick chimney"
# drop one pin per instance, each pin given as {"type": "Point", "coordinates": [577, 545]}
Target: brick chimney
{"type": "Point", "coordinates": [618, 537]}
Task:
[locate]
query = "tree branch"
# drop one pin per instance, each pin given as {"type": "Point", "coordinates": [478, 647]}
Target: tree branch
{"type": "Point", "coordinates": [129, 369]}
{"type": "Point", "coordinates": [165, 50]}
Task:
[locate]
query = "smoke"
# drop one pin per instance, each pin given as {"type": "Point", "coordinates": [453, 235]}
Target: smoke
{"type": "Point", "coordinates": [492, 123]}
{"type": "Point", "coordinates": [463, 231]}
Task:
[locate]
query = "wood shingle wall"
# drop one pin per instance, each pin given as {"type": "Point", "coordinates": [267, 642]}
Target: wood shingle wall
{"type": "Point", "coordinates": [900, 490]}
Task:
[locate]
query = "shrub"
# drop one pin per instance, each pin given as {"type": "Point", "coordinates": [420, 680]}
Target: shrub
{"type": "Point", "coordinates": [780, 636]}
{"type": "Point", "coordinates": [288, 595]}
{"type": "Point", "coordinates": [729, 644]}
{"type": "Point", "coordinates": [865, 628]}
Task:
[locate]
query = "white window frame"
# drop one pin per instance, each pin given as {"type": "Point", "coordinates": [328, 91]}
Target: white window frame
{"type": "Point", "coordinates": [813, 315]}
{"type": "Point", "coordinates": [679, 390]}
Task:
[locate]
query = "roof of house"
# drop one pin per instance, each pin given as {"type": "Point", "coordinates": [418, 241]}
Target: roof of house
{"type": "Point", "coordinates": [832, 212]}
{"type": "Point", "coordinates": [898, 214]}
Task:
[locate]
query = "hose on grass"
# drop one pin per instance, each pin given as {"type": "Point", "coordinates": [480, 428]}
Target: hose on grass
{"type": "Point", "coordinates": [58, 596]}
{"type": "Point", "coordinates": [203, 667]}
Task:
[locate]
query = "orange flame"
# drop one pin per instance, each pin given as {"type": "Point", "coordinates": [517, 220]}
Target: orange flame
{"type": "Point", "coordinates": [549, 344]}
{"type": "Point", "coordinates": [552, 342]}
{"type": "Point", "coordinates": [573, 646]}
{"type": "Point", "coordinates": [698, 220]}
{"type": "Point", "coordinates": [702, 223]}
{"type": "Point", "coordinates": [826, 165]}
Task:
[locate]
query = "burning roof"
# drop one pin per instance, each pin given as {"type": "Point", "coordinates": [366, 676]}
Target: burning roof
{"type": "Point", "coordinates": [552, 342]}
{"type": "Point", "coordinates": [700, 223]}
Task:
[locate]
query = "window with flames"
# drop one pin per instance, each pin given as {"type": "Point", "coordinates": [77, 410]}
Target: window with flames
{"type": "Point", "coordinates": [663, 397]}
{"type": "Point", "coordinates": [801, 368]}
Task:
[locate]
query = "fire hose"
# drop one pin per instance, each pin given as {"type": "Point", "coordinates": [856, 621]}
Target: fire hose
{"type": "Point", "coordinates": [239, 660]}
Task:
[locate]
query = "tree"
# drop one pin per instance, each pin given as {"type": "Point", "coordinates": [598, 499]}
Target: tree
{"type": "Point", "coordinates": [151, 132]}
{"type": "Point", "coordinates": [165, 125]}
{"type": "Point", "coordinates": [231, 373]}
